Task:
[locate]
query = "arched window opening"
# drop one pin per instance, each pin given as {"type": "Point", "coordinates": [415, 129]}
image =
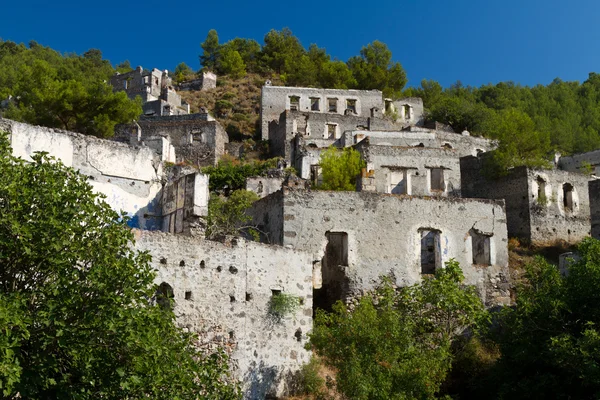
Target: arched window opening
{"type": "Point", "coordinates": [165, 295]}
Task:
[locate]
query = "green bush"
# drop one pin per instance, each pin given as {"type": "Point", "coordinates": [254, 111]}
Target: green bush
{"type": "Point", "coordinates": [282, 305]}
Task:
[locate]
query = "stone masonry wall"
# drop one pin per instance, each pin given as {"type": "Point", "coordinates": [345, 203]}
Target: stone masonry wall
{"type": "Point", "coordinates": [384, 235]}
{"type": "Point", "coordinates": [276, 99]}
{"type": "Point", "coordinates": [223, 291]}
{"type": "Point", "coordinates": [195, 139]}
{"type": "Point", "coordinates": [535, 200]}
{"type": "Point", "coordinates": [129, 177]}
{"type": "Point", "coordinates": [414, 165]}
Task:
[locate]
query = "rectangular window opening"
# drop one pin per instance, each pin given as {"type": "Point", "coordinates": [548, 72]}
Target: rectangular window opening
{"type": "Point", "coordinates": [294, 103]}
{"type": "Point", "coordinates": [337, 249]}
{"type": "Point", "coordinates": [314, 104]}
{"type": "Point", "coordinates": [332, 131]}
{"type": "Point", "coordinates": [481, 248]}
{"type": "Point", "coordinates": [437, 179]}
{"type": "Point", "coordinates": [332, 105]}
{"type": "Point", "coordinates": [430, 251]}
{"type": "Point", "coordinates": [398, 182]}
{"type": "Point", "coordinates": [351, 105]}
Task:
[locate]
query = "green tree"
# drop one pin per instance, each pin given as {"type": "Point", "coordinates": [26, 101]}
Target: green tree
{"type": "Point", "coordinates": [68, 92]}
{"type": "Point", "coordinates": [210, 50]}
{"type": "Point", "coordinates": [519, 142]}
{"type": "Point", "coordinates": [231, 63]}
{"type": "Point", "coordinates": [396, 344]}
{"type": "Point", "coordinates": [227, 216]}
{"type": "Point", "coordinates": [77, 319]}
{"type": "Point", "coordinates": [374, 69]}
{"type": "Point", "coordinates": [281, 50]}
{"type": "Point", "coordinates": [248, 49]}
{"type": "Point", "coordinates": [340, 168]}
{"type": "Point", "coordinates": [124, 67]}
{"type": "Point", "coordinates": [182, 72]}
{"type": "Point", "coordinates": [550, 339]}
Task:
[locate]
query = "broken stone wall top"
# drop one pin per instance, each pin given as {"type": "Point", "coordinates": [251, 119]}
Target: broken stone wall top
{"type": "Point", "coordinates": [207, 81]}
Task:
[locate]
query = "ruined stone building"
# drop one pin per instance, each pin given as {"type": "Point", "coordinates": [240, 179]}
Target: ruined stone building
{"type": "Point", "coordinates": [155, 89]}
{"type": "Point", "coordinates": [206, 81]}
{"type": "Point", "coordinates": [221, 290]}
{"type": "Point", "coordinates": [197, 138]}
{"type": "Point", "coordinates": [541, 205]}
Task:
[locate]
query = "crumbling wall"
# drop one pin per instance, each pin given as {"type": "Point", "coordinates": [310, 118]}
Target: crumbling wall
{"type": "Point", "coordinates": [415, 136]}
{"type": "Point", "coordinates": [268, 216]}
{"type": "Point", "coordinates": [264, 185]}
{"type": "Point", "coordinates": [276, 99]}
{"type": "Point", "coordinates": [562, 214]}
{"type": "Point", "coordinates": [196, 138]}
{"type": "Point", "coordinates": [538, 205]}
{"type": "Point", "coordinates": [185, 202]}
{"type": "Point", "coordinates": [129, 177]}
{"type": "Point", "coordinates": [384, 235]}
{"type": "Point", "coordinates": [223, 292]}
{"type": "Point", "coordinates": [413, 170]}
{"type": "Point", "coordinates": [585, 163]}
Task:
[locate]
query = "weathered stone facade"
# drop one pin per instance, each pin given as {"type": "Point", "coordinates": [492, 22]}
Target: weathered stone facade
{"type": "Point", "coordinates": [417, 171]}
{"type": "Point", "coordinates": [155, 89]}
{"type": "Point", "coordinates": [541, 205]}
{"type": "Point", "coordinates": [230, 287]}
{"type": "Point", "coordinates": [207, 81]}
{"type": "Point", "coordinates": [277, 99]}
{"type": "Point", "coordinates": [197, 138]}
{"type": "Point", "coordinates": [386, 235]}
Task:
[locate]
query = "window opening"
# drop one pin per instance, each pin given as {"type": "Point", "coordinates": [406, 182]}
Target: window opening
{"type": "Point", "coordinates": [398, 183]}
{"type": "Point", "coordinates": [437, 179]}
{"type": "Point", "coordinates": [351, 105]}
{"type": "Point", "coordinates": [481, 248]}
{"type": "Point", "coordinates": [314, 104]}
{"type": "Point", "coordinates": [541, 193]}
{"type": "Point", "coordinates": [332, 131]}
{"type": "Point", "coordinates": [165, 295]}
{"type": "Point", "coordinates": [188, 295]}
{"type": "Point", "coordinates": [389, 107]}
{"type": "Point", "coordinates": [568, 197]}
{"type": "Point", "coordinates": [332, 105]}
{"type": "Point", "coordinates": [430, 251]}
{"type": "Point", "coordinates": [294, 103]}
{"type": "Point", "coordinates": [407, 113]}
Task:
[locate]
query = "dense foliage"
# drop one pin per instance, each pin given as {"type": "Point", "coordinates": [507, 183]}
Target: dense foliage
{"type": "Point", "coordinates": [339, 168]}
{"type": "Point", "coordinates": [283, 54]}
{"type": "Point", "coordinates": [397, 344]}
{"type": "Point", "coordinates": [562, 116]}
{"type": "Point", "coordinates": [231, 174]}
{"type": "Point", "coordinates": [227, 215]}
{"type": "Point", "coordinates": [77, 320]}
{"type": "Point", "coordinates": [550, 341]}
{"type": "Point", "coordinates": [62, 91]}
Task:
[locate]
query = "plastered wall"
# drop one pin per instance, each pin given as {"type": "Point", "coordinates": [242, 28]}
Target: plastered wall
{"type": "Point", "coordinates": [128, 176]}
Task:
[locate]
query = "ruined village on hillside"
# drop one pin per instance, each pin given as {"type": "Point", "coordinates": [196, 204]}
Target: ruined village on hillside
{"type": "Point", "coordinates": [421, 200]}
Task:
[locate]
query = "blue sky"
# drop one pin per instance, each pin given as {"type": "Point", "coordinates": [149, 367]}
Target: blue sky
{"type": "Point", "coordinates": [474, 41]}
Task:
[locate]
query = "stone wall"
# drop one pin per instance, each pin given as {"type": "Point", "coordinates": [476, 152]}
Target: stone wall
{"type": "Point", "coordinates": [418, 171]}
{"type": "Point", "coordinates": [223, 292]}
{"type": "Point", "coordinates": [417, 136]}
{"type": "Point", "coordinates": [196, 138]}
{"type": "Point", "coordinates": [542, 205]}
{"type": "Point", "coordinates": [384, 236]}
{"type": "Point", "coordinates": [129, 177]}
{"type": "Point", "coordinates": [583, 163]}
{"type": "Point", "coordinates": [263, 185]}
{"type": "Point", "coordinates": [276, 99]}
{"type": "Point", "coordinates": [185, 202]}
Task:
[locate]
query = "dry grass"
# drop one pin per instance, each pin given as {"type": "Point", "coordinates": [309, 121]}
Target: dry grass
{"type": "Point", "coordinates": [327, 391]}
{"type": "Point", "coordinates": [241, 121]}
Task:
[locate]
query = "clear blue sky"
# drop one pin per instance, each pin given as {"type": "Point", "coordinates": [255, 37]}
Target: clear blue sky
{"type": "Point", "coordinates": [474, 41]}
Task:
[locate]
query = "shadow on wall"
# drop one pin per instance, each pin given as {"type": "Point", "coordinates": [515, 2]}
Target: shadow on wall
{"type": "Point", "coordinates": [261, 382]}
